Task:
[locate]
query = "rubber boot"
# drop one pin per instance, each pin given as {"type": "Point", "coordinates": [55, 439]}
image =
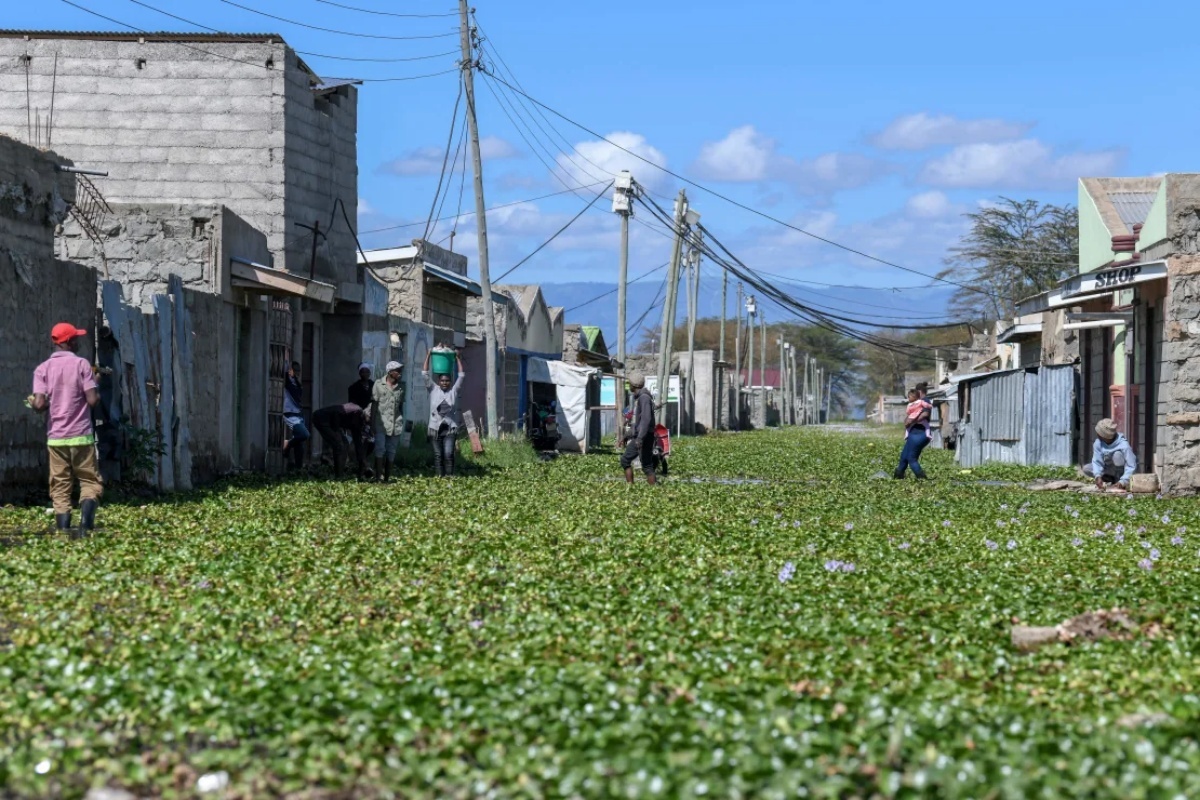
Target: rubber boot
{"type": "Point", "coordinates": [387, 470]}
{"type": "Point", "coordinates": [62, 522]}
{"type": "Point", "coordinates": [87, 518]}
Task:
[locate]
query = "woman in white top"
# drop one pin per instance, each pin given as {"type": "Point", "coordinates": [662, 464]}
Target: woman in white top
{"type": "Point", "coordinates": [443, 415]}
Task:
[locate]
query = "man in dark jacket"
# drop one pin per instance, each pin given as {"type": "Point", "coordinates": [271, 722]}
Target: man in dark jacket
{"type": "Point", "coordinates": [333, 423]}
{"type": "Point", "coordinates": [641, 443]}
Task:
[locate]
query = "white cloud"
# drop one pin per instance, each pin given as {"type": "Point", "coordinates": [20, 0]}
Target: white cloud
{"type": "Point", "coordinates": [1023, 164]}
{"type": "Point", "coordinates": [364, 207]}
{"type": "Point", "coordinates": [743, 155]}
{"type": "Point", "coordinates": [746, 156]}
{"type": "Point", "coordinates": [493, 148]}
{"type": "Point", "coordinates": [428, 160]}
{"type": "Point", "coordinates": [597, 160]}
{"type": "Point", "coordinates": [928, 205]}
{"type": "Point", "coordinates": [922, 131]}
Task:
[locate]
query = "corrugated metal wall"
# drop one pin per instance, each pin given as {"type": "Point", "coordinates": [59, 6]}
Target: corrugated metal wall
{"type": "Point", "coordinates": [1050, 416]}
{"type": "Point", "coordinates": [1019, 417]}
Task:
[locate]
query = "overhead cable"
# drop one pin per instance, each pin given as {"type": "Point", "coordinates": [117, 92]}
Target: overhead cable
{"type": "Point", "coordinates": [538, 249]}
{"type": "Point", "coordinates": [339, 32]}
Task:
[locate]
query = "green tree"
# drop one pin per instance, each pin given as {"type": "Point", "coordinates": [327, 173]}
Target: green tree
{"type": "Point", "coordinates": [1015, 249]}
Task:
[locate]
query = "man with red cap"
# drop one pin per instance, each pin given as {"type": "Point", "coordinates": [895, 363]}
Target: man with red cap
{"type": "Point", "coordinates": [64, 388]}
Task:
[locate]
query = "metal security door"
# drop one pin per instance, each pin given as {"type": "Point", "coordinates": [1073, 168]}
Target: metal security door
{"type": "Point", "coordinates": [280, 357]}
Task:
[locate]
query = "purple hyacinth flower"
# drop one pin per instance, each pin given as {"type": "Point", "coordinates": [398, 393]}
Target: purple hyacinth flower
{"type": "Point", "coordinates": [1146, 545]}
{"type": "Point", "coordinates": [1133, 512]}
{"type": "Point", "coordinates": [905, 545]}
{"type": "Point", "coordinates": [1118, 537]}
{"type": "Point", "coordinates": [1176, 540]}
{"type": "Point", "coordinates": [1146, 564]}
{"type": "Point", "coordinates": [476, 624]}
{"type": "Point", "coordinates": [833, 565]}
{"type": "Point", "coordinates": [1077, 541]}
{"type": "Point", "coordinates": [1000, 523]}
{"type": "Point", "coordinates": [1166, 518]}
{"type": "Point", "coordinates": [785, 574]}
{"type": "Point", "coordinates": [849, 526]}
{"type": "Point", "coordinates": [1154, 554]}
{"type": "Point", "coordinates": [945, 523]}
{"type": "Point", "coordinates": [1012, 544]}
{"type": "Point", "coordinates": [989, 544]}
{"type": "Point", "coordinates": [848, 566]}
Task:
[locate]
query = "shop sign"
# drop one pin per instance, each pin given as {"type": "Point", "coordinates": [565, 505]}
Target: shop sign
{"type": "Point", "coordinates": [1115, 279]}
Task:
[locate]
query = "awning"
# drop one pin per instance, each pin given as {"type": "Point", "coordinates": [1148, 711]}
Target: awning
{"type": "Point", "coordinates": [1020, 332]}
{"type": "Point", "coordinates": [245, 274]}
{"type": "Point", "coordinates": [462, 282]}
{"type": "Point", "coordinates": [1112, 279]}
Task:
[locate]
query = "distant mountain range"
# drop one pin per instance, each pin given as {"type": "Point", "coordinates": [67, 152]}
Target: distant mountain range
{"type": "Point", "coordinates": [880, 306]}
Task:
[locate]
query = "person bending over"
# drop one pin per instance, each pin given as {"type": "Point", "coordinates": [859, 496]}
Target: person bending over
{"type": "Point", "coordinates": [1113, 460]}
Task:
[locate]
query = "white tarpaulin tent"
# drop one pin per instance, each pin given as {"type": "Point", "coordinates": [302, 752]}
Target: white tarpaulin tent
{"type": "Point", "coordinates": [571, 384]}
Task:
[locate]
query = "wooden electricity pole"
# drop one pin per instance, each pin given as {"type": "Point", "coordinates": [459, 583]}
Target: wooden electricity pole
{"type": "Point", "coordinates": [492, 426]}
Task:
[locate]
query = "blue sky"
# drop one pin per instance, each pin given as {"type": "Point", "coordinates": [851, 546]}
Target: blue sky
{"type": "Point", "coordinates": [874, 124]}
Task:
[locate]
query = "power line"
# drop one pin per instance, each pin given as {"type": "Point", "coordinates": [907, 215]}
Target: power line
{"type": "Point", "coordinates": [339, 32]}
{"type": "Point", "coordinates": [472, 213]}
{"type": "Point", "coordinates": [556, 233]}
{"type": "Point", "coordinates": [645, 274]}
{"type": "Point", "coordinates": [225, 57]}
{"type": "Point", "coordinates": [730, 200]}
{"type": "Point", "coordinates": [386, 13]}
{"type": "Point", "coordinates": [445, 159]}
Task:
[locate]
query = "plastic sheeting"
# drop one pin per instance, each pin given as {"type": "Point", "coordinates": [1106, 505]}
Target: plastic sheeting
{"type": "Point", "coordinates": [571, 383]}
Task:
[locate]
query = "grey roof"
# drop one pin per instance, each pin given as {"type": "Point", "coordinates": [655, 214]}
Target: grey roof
{"type": "Point", "coordinates": [1133, 207]}
{"type": "Point", "coordinates": [149, 36]}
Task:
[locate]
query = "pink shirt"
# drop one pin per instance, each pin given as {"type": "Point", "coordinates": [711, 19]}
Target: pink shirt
{"type": "Point", "coordinates": [63, 378]}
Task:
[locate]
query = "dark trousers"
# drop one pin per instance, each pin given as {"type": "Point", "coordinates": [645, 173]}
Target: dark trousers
{"type": "Point", "coordinates": [910, 456]}
{"type": "Point", "coordinates": [297, 435]}
{"type": "Point", "coordinates": [643, 449]}
{"type": "Point", "coordinates": [443, 450]}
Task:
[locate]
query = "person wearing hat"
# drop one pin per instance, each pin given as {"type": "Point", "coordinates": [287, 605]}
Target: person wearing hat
{"type": "Point", "coordinates": [1113, 460]}
{"type": "Point", "coordinates": [641, 443]}
{"type": "Point", "coordinates": [387, 402]}
{"type": "Point", "coordinates": [359, 393]}
{"type": "Point", "coordinates": [64, 388]}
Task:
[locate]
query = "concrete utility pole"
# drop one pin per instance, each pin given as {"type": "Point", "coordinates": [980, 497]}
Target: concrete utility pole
{"type": "Point", "coordinates": [751, 315]}
{"type": "Point", "coordinates": [762, 362]}
{"type": "Point", "coordinates": [667, 332]}
{"type": "Point", "coordinates": [693, 312]}
{"type": "Point", "coordinates": [622, 205]}
{"type": "Point", "coordinates": [792, 373]}
{"type": "Point", "coordinates": [783, 420]}
{"type": "Point", "coordinates": [804, 396]}
{"type": "Point", "coordinates": [737, 345]}
{"type": "Point", "coordinates": [466, 32]}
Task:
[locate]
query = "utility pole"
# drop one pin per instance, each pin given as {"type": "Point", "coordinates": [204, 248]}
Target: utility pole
{"type": "Point", "coordinates": [783, 420]}
{"type": "Point", "coordinates": [667, 332]}
{"type": "Point", "coordinates": [693, 312]}
{"type": "Point", "coordinates": [623, 206]}
{"type": "Point", "coordinates": [792, 386]}
{"type": "Point", "coordinates": [466, 32]}
{"type": "Point", "coordinates": [751, 313]}
{"type": "Point", "coordinates": [762, 362]}
{"type": "Point", "coordinates": [804, 397]}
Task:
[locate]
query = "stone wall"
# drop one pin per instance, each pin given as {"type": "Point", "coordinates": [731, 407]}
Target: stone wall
{"type": "Point", "coordinates": [225, 122]}
{"type": "Point", "coordinates": [1059, 346]}
{"type": "Point", "coordinates": [144, 244]}
{"type": "Point", "coordinates": [1180, 381]}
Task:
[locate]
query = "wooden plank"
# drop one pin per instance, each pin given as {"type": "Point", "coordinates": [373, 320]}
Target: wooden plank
{"type": "Point", "coordinates": [469, 423]}
{"type": "Point", "coordinates": [164, 321]}
{"type": "Point", "coordinates": [181, 368]}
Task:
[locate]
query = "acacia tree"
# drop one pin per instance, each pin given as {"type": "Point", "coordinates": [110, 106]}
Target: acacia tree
{"type": "Point", "coordinates": [1015, 248]}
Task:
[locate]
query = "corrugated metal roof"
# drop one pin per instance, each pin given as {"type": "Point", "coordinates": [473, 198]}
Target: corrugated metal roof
{"type": "Point", "coordinates": [334, 83]}
{"type": "Point", "coordinates": [1132, 207]}
{"type": "Point", "coordinates": [149, 36]}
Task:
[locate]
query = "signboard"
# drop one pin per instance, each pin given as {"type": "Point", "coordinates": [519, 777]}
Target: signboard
{"type": "Point", "coordinates": [672, 387]}
{"type": "Point", "coordinates": [608, 391]}
{"type": "Point", "coordinates": [1111, 280]}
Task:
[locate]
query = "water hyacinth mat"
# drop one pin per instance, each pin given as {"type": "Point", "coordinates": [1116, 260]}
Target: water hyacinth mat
{"type": "Point", "coordinates": [541, 630]}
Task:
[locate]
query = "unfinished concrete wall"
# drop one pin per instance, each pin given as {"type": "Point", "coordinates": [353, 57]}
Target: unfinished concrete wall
{"type": "Point", "coordinates": [1059, 346]}
{"type": "Point", "coordinates": [225, 121]}
{"type": "Point", "coordinates": [36, 291]}
{"type": "Point", "coordinates": [143, 245]}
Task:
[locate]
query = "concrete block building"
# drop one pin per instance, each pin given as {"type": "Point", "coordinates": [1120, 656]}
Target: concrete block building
{"type": "Point", "coordinates": [179, 120]}
{"type": "Point", "coordinates": [36, 291]}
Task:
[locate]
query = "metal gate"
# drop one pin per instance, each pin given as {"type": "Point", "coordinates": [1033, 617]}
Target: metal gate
{"type": "Point", "coordinates": [280, 357]}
